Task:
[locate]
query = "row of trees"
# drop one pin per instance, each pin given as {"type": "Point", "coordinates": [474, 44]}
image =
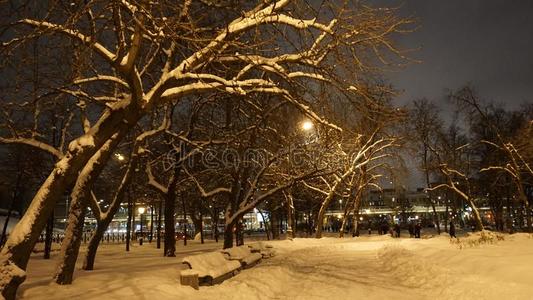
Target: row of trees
{"type": "Point", "coordinates": [483, 157]}
{"type": "Point", "coordinates": [197, 98]}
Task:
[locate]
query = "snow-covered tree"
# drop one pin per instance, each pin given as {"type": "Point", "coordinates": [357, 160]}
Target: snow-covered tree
{"type": "Point", "coordinates": [139, 55]}
{"type": "Point", "coordinates": [514, 148]}
{"type": "Point", "coordinates": [426, 128]}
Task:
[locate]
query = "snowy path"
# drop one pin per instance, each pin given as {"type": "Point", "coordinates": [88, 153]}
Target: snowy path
{"type": "Point", "coordinates": [375, 267]}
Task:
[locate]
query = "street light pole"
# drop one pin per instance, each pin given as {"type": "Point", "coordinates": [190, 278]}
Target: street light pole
{"type": "Point", "coordinates": [141, 212]}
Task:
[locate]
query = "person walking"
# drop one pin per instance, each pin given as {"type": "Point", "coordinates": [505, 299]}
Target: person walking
{"type": "Point", "coordinates": [452, 230]}
{"type": "Point", "coordinates": [397, 229]}
{"type": "Point", "coordinates": [417, 230]}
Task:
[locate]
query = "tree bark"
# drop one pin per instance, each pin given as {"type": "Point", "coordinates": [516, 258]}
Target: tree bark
{"type": "Point", "coordinates": [15, 255]}
{"type": "Point", "coordinates": [291, 228]}
{"type": "Point", "coordinates": [151, 223]}
{"type": "Point", "coordinates": [94, 242]}
{"type": "Point", "coordinates": [228, 235]}
{"type": "Point", "coordinates": [274, 224]}
{"type": "Point", "coordinates": [48, 236]}
{"type": "Point", "coordinates": [78, 207]}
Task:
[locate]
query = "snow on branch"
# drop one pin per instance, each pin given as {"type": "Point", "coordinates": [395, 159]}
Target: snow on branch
{"type": "Point", "coordinates": [153, 182]}
{"type": "Point", "coordinates": [34, 143]}
{"type": "Point", "coordinates": [314, 188]}
{"type": "Point", "coordinates": [96, 46]}
{"type": "Point", "coordinates": [205, 194]}
{"type": "Point", "coordinates": [101, 78]}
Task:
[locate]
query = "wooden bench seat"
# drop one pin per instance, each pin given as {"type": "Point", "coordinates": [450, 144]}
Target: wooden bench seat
{"type": "Point", "coordinates": [266, 250]}
{"type": "Point", "coordinates": [244, 255]}
{"type": "Point", "coordinates": [211, 268]}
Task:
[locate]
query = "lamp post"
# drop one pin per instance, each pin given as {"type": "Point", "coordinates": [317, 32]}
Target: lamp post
{"type": "Point", "coordinates": [141, 212]}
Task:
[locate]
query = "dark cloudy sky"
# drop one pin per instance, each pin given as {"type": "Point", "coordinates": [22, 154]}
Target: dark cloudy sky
{"type": "Point", "coordinates": [486, 42]}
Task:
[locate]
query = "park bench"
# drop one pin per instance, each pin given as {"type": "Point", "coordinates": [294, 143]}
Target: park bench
{"type": "Point", "coordinates": [207, 268]}
{"type": "Point", "coordinates": [266, 250]}
{"type": "Point", "coordinates": [244, 255]}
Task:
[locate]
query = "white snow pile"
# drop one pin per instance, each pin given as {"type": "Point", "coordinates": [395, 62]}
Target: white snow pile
{"type": "Point", "coordinates": [376, 267]}
{"type": "Point", "coordinates": [410, 269]}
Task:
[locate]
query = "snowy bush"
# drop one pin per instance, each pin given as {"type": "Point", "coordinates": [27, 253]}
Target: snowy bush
{"type": "Point", "coordinates": [476, 239]}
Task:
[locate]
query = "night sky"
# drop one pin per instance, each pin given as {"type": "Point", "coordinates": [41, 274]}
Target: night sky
{"type": "Point", "coordinates": [488, 43]}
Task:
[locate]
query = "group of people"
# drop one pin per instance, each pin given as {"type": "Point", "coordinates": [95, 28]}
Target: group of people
{"type": "Point", "coordinates": [414, 229]}
{"type": "Point", "coordinates": [395, 231]}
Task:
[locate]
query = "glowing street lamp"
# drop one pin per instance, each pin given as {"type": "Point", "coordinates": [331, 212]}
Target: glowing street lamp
{"type": "Point", "coordinates": [307, 125]}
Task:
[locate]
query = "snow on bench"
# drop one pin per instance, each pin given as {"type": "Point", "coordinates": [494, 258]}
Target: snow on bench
{"type": "Point", "coordinates": [210, 268]}
{"type": "Point", "coordinates": [266, 250]}
{"type": "Point", "coordinates": [244, 255]}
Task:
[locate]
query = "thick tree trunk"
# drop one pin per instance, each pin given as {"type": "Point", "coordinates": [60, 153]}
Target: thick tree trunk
{"type": "Point", "coordinates": [228, 235]}
{"type": "Point", "coordinates": [325, 204]}
{"type": "Point", "coordinates": [291, 228]}
{"type": "Point", "coordinates": [151, 223]}
{"type": "Point", "coordinates": [345, 217]}
{"type": "Point", "coordinates": [201, 228]}
{"type": "Point", "coordinates": [94, 242]}
{"type": "Point", "coordinates": [15, 255]}
{"type": "Point", "coordinates": [214, 225]}
{"type": "Point", "coordinates": [197, 222]}
{"type": "Point", "coordinates": [71, 243]}
{"type": "Point", "coordinates": [169, 245]}
{"type": "Point", "coordinates": [80, 199]}
{"type": "Point", "coordinates": [274, 224]}
{"type": "Point", "coordinates": [477, 216]}
{"type": "Point", "coordinates": [48, 236]}
{"type": "Point", "coordinates": [102, 226]}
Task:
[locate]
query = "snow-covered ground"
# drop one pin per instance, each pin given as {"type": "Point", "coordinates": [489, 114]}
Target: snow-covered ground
{"type": "Point", "coordinates": [375, 267]}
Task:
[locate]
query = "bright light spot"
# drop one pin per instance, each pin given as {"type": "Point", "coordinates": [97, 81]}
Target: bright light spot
{"type": "Point", "coordinates": [307, 125]}
{"type": "Point", "coordinates": [360, 218]}
{"type": "Point", "coordinates": [416, 217]}
{"type": "Point", "coordinates": [120, 156]}
{"type": "Point", "coordinates": [141, 210]}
